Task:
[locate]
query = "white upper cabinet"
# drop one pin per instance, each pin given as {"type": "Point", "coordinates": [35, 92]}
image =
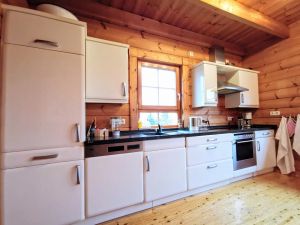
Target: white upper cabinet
{"type": "Point", "coordinates": [106, 71]}
{"type": "Point", "coordinates": [245, 99]}
{"type": "Point", "coordinates": [44, 32]}
{"type": "Point", "coordinates": [204, 77]}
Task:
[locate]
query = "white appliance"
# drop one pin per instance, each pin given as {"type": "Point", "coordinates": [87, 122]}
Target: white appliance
{"type": "Point", "coordinates": [195, 122]}
{"type": "Point", "coordinates": [42, 119]}
{"type": "Point", "coordinates": [114, 177]}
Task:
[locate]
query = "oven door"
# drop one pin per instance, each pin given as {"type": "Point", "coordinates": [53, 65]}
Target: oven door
{"type": "Point", "coordinates": [244, 154]}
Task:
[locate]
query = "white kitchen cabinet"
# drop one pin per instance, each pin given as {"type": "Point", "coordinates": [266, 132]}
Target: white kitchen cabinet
{"type": "Point", "coordinates": [113, 182]}
{"type": "Point", "coordinates": [245, 99]}
{"type": "Point", "coordinates": [204, 77]}
{"type": "Point", "coordinates": [165, 173]}
{"type": "Point", "coordinates": [209, 159]}
{"type": "Point", "coordinates": [43, 99]}
{"type": "Point", "coordinates": [106, 71]}
{"type": "Point", "coordinates": [50, 194]}
{"type": "Point", "coordinates": [265, 150]}
{"type": "Point", "coordinates": [209, 173]}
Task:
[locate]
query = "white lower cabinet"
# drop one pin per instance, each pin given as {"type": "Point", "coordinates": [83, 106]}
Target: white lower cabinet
{"type": "Point", "coordinates": [165, 173]}
{"type": "Point", "coordinates": [113, 182]}
{"type": "Point", "coordinates": [50, 194]}
{"type": "Point", "coordinates": [209, 173]}
{"type": "Point", "coordinates": [265, 150]}
{"type": "Point", "coordinates": [209, 159]}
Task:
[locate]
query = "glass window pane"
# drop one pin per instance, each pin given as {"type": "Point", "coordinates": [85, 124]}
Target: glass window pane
{"type": "Point", "coordinates": [149, 96]}
{"type": "Point", "coordinates": [167, 97]}
{"type": "Point", "coordinates": [149, 77]}
{"type": "Point", "coordinates": [167, 78]}
{"type": "Point", "coordinates": [168, 118]}
{"type": "Point", "coordinates": [149, 119]}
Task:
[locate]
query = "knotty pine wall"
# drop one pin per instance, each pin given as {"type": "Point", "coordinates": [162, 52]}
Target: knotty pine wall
{"type": "Point", "coordinates": [279, 80]}
{"type": "Point", "coordinates": [144, 46]}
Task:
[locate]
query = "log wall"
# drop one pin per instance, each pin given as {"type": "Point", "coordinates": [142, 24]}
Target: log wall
{"type": "Point", "coordinates": [279, 80]}
{"type": "Point", "coordinates": [144, 46]}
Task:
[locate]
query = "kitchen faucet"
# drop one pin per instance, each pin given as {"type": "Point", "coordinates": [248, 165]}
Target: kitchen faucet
{"type": "Point", "coordinates": [159, 130]}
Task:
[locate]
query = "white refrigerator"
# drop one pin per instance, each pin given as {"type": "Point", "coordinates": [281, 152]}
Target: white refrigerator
{"type": "Point", "coordinates": [42, 119]}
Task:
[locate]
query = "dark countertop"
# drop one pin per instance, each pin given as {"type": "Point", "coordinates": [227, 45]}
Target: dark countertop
{"type": "Point", "coordinates": [143, 135]}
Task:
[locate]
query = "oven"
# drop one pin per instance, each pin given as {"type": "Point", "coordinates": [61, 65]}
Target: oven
{"type": "Point", "coordinates": [244, 150]}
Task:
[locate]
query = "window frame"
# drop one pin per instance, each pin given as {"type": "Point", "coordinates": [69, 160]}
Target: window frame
{"type": "Point", "coordinates": [157, 108]}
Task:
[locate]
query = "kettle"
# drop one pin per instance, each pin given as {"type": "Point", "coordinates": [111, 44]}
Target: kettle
{"type": "Point", "coordinates": [194, 123]}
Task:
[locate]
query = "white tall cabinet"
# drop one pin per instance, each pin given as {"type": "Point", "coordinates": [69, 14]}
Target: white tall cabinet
{"type": "Point", "coordinates": [42, 118]}
{"type": "Point", "coordinates": [106, 71]}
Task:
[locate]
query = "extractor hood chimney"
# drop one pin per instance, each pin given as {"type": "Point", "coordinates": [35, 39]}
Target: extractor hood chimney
{"type": "Point", "coordinates": [216, 54]}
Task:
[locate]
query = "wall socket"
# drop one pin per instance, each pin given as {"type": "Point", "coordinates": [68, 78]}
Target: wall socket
{"type": "Point", "coordinates": [274, 113]}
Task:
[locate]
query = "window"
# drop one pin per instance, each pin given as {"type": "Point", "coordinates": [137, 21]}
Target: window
{"type": "Point", "coordinates": [158, 94]}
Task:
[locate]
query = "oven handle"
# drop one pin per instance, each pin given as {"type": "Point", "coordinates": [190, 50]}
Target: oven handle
{"type": "Point", "coordinates": [239, 142]}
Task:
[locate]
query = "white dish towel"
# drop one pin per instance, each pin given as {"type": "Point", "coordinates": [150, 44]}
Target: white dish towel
{"type": "Point", "coordinates": [296, 142]}
{"type": "Point", "coordinates": [285, 158]}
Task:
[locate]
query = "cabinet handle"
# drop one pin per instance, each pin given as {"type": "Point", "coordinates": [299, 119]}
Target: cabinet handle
{"type": "Point", "coordinates": [258, 146]}
{"type": "Point", "coordinates": [216, 97]}
{"type": "Point", "coordinates": [124, 89]}
{"type": "Point", "coordinates": [148, 164]}
{"type": "Point", "coordinates": [77, 132]}
{"type": "Point", "coordinates": [78, 174]}
{"type": "Point", "coordinates": [211, 139]}
{"type": "Point", "coordinates": [212, 166]}
{"type": "Point", "coordinates": [46, 42]}
{"type": "Point", "coordinates": [267, 133]}
{"type": "Point", "coordinates": [211, 147]}
{"type": "Point", "coordinates": [44, 157]}
{"type": "Point", "coordinates": [242, 97]}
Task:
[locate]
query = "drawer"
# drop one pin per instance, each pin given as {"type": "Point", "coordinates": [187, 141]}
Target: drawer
{"type": "Point", "coordinates": [264, 133]}
{"type": "Point", "coordinates": [42, 32]}
{"type": "Point", "coordinates": [208, 153]}
{"type": "Point", "coordinates": [161, 144]}
{"type": "Point", "coordinates": [39, 157]}
{"type": "Point", "coordinates": [209, 173]}
{"type": "Point", "coordinates": [208, 139]}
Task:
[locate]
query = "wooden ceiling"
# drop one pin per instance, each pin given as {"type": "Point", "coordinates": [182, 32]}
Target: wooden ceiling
{"type": "Point", "coordinates": [197, 19]}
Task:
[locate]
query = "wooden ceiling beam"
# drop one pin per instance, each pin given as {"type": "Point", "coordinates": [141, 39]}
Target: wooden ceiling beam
{"type": "Point", "coordinates": [246, 15]}
{"type": "Point", "coordinates": [92, 9]}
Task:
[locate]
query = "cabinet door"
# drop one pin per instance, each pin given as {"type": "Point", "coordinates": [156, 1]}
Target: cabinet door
{"type": "Point", "coordinates": [106, 72]}
{"type": "Point", "coordinates": [210, 79]}
{"type": "Point", "coordinates": [165, 173]}
{"type": "Point", "coordinates": [49, 194]}
{"type": "Point", "coordinates": [113, 182]}
{"type": "Point", "coordinates": [43, 98]}
{"type": "Point", "coordinates": [250, 81]}
{"type": "Point", "coordinates": [265, 153]}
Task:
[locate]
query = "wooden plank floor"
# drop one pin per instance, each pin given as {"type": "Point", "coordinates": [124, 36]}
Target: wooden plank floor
{"type": "Point", "coordinates": [269, 199]}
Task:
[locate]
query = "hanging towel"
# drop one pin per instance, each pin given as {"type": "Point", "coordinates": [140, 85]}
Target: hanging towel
{"type": "Point", "coordinates": [296, 143]}
{"type": "Point", "coordinates": [291, 125]}
{"type": "Point", "coordinates": [285, 158]}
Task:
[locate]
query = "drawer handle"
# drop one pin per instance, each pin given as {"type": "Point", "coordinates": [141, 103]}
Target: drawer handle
{"type": "Point", "coordinates": [46, 42]}
{"type": "Point", "coordinates": [211, 147]}
{"type": "Point", "coordinates": [148, 164]}
{"type": "Point", "coordinates": [267, 133]}
{"type": "Point", "coordinates": [78, 174]}
{"type": "Point", "coordinates": [212, 166]}
{"type": "Point", "coordinates": [44, 157]}
{"type": "Point", "coordinates": [211, 139]}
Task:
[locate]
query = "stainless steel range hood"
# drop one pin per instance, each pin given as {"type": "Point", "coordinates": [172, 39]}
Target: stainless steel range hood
{"type": "Point", "coordinates": [225, 88]}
